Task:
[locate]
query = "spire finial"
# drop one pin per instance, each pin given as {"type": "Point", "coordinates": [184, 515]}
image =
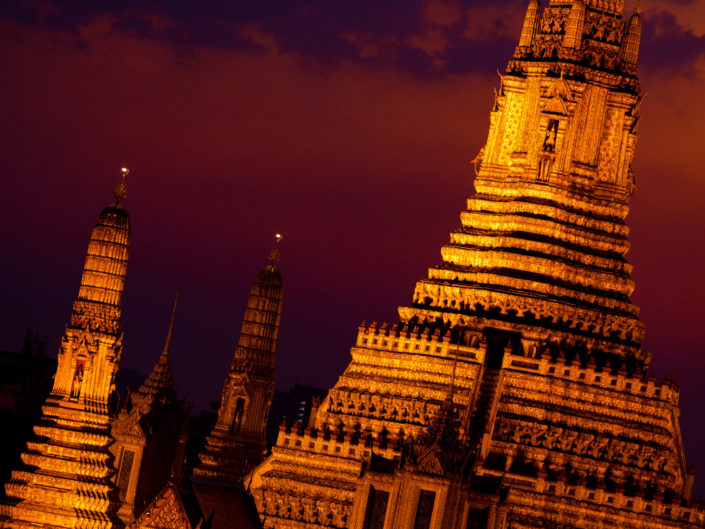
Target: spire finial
{"type": "Point", "coordinates": [274, 254]}
{"type": "Point", "coordinates": [637, 9]}
{"type": "Point", "coordinates": [120, 191]}
{"type": "Point", "coordinates": [167, 343]}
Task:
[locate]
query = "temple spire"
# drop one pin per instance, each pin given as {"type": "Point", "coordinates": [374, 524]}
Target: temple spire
{"type": "Point", "coordinates": [65, 481]}
{"type": "Point", "coordinates": [103, 279]}
{"type": "Point", "coordinates": [237, 442]}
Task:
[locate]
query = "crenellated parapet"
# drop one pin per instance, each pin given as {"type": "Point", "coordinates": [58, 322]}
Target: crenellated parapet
{"type": "Point", "coordinates": [573, 500]}
{"type": "Point", "coordinates": [351, 441]}
{"type": "Point", "coordinates": [625, 429]}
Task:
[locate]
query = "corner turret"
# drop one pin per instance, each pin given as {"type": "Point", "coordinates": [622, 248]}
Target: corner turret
{"type": "Point", "coordinates": [531, 24]}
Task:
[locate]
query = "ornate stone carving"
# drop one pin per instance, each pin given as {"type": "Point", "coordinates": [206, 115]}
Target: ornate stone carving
{"type": "Point", "coordinates": [237, 442]}
{"type": "Point", "coordinates": [68, 482]}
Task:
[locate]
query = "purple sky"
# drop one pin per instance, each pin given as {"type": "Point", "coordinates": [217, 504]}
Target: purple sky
{"type": "Point", "coordinates": [349, 126]}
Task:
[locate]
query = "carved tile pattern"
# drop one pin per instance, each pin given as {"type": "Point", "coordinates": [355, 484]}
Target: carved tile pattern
{"type": "Point", "coordinates": [611, 146]}
{"type": "Point", "coordinates": [317, 511]}
{"type": "Point", "coordinates": [590, 444]}
{"type": "Point", "coordinates": [381, 407]}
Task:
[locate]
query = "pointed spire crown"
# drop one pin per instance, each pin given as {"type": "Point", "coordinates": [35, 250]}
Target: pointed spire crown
{"type": "Point", "coordinates": [261, 321]}
{"type": "Point", "coordinates": [102, 283]}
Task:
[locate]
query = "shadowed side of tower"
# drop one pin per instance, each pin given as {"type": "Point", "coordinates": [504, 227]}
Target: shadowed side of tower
{"type": "Point", "coordinates": [65, 481]}
{"type": "Point", "coordinates": [237, 442]}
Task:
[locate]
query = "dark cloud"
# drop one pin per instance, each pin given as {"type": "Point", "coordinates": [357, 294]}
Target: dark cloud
{"type": "Point", "coordinates": [667, 46]}
{"type": "Point", "coordinates": [680, 2]}
{"type": "Point", "coordinates": [318, 29]}
{"type": "Point", "coordinates": [425, 37]}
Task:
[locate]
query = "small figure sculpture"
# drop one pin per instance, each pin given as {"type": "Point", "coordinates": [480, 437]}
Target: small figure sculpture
{"type": "Point", "coordinates": [549, 142]}
{"type": "Point", "coordinates": [77, 381]}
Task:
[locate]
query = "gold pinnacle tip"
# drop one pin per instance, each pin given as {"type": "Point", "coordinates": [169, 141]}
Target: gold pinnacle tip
{"type": "Point", "coordinates": [274, 254]}
{"type": "Point", "coordinates": [120, 191]}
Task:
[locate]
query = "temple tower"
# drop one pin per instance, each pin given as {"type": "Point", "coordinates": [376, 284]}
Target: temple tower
{"type": "Point", "coordinates": [66, 478]}
{"type": "Point", "coordinates": [237, 442]}
{"type": "Point", "coordinates": [529, 313]}
{"type": "Point", "coordinates": [150, 432]}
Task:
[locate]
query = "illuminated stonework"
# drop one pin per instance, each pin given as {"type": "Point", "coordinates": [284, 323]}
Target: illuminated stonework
{"type": "Point", "coordinates": [66, 478]}
{"type": "Point", "coordinates": [237, 442]}
{"type": "Point", "coordinates": [528, 320]}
